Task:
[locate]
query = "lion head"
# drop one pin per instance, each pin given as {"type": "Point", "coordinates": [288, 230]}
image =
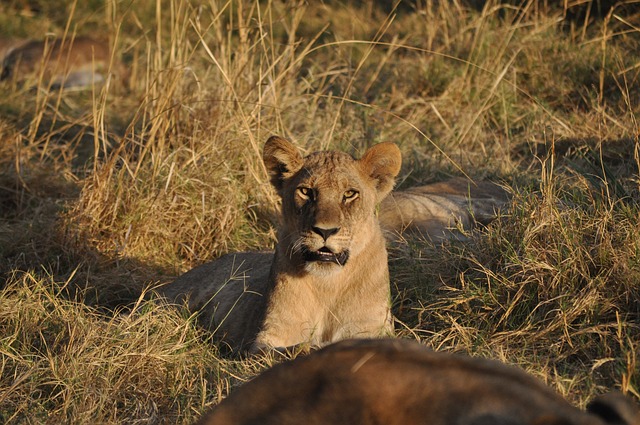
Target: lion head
{"type": "Point", "coordinates": [329, 200]}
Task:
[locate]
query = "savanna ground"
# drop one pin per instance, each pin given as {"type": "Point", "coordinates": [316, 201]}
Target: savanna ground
{"type": "Point", "coordinates": [108, 192]}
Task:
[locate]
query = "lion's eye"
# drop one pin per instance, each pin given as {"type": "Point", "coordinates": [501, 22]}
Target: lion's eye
{"type": "Point", "coordinates": [305, 192]}
{"type": "Point", "coordinates": [350, 194]}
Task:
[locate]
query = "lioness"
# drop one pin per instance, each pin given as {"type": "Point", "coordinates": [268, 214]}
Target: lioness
{"type": "Point", "coordinates": [401, 382]}
{"type": "Point", "coordinates": [78, 62]}
{"type": "Point", "coordinates": [328, 278]}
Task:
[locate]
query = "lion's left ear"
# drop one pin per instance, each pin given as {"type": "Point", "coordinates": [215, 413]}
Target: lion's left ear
{"type": "Point", "coordinates": [615, 408]}
{"type": "Point", "coordinates": [282, 160]}
{"type": "Point", "coordinates": [382, 163]}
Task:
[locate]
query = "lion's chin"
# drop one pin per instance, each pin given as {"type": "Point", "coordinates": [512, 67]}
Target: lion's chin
{"type": "Point", "coordinates": [325, 256]}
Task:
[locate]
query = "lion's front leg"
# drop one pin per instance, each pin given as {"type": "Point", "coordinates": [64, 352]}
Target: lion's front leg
{"type": "Point", "coordinates": [376, 322]}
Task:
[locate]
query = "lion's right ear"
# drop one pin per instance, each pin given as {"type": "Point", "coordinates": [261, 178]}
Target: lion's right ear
{"type": "Point", "coordinates": [282, 160]}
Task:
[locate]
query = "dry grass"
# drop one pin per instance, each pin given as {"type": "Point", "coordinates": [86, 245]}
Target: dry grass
{"type": "Point", "coordinates": [107, 192]}
{"type": "Point", "coordinates": [69, 363]}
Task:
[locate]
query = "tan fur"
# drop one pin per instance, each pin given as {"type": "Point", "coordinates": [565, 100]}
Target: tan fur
{"type": "Point", "coordinates": [9, 44]}
{"type": "Point", "coordinates": [78, 62]}
{"type": "Point", "coordinates": [399, 382]}
{"type": "Point", "coordinates": [436, 210]}
{"type": "Point", "coordinates": [274, 300]}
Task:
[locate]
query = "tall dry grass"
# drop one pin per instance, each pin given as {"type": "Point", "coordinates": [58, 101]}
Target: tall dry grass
{"type": "Point", "coordinates": [108, 192]}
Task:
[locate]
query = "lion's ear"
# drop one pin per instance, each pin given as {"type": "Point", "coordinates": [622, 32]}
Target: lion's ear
{"type": "Point", "coordinates": [615, 408]}
{"type": "Point", "coordinates": [382, 163]}
{"type": "Point", "coordinates": [282, 160]}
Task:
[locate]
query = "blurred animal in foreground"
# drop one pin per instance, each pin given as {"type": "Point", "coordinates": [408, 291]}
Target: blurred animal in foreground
{"type": "Point", "coordinates": [67, 63]}
{"type": "Point", "coordinates": [328, 278]}
{"type": "Point", "coordinates": [400, 382]}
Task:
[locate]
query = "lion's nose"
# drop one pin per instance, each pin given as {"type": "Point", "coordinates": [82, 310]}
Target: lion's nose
{"type": "Point", "coordinates": [325, 233]}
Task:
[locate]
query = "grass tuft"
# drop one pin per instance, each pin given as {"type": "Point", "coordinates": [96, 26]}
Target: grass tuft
{"type": "Point", "coordinates": [67, 362]}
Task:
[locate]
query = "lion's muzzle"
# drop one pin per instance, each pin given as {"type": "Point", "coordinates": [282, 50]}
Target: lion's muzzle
{"type": "Point", "coordinates": [325, 255]}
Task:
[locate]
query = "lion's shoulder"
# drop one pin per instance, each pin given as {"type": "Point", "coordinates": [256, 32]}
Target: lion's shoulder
{"type": "Point", "coordinates": [239, 284]}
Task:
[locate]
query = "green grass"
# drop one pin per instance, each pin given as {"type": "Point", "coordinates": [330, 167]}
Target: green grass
{"type": "Point", "coordinates": [107, 193]}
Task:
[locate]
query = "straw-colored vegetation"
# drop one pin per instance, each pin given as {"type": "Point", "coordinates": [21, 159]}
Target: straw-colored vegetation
{"type": "Point", "coordinates": [108, 192]}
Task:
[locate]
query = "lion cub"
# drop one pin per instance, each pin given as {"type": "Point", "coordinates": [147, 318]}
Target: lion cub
{"type": "Point", "coordinates": [400, 382]}
{"type": "Point", "coordinates": [67, 63]}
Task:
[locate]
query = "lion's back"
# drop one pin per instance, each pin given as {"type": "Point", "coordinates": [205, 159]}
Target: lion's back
{"type": "Point", "coordinates": [71, 63]}
{"type": "Point", "coordinates": [433, 210]}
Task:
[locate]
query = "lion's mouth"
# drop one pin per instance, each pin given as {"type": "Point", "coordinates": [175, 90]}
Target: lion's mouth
{"type": "Point", "coordinates": [325, 255]}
